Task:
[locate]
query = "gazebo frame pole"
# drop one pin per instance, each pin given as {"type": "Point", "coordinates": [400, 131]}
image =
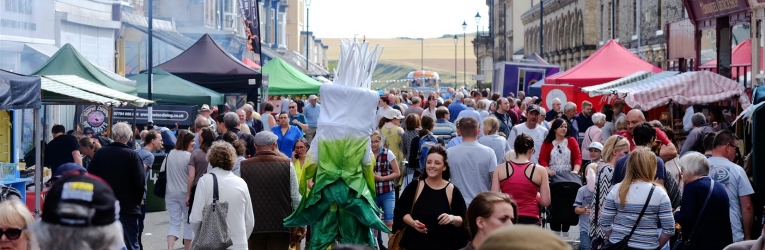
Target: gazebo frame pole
{"type": "Point", "coordinates": [38, 168]}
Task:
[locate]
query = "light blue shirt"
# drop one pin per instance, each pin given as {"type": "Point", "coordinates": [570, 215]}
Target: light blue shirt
{"type": "Point", "coordinates": [311, 114]}
{"type": "Point", "coordinates": [471, 112]}
{"type": "Point", "coordinates": [196, 141]}
{"type": "Point", "coordinates": [734, 179]}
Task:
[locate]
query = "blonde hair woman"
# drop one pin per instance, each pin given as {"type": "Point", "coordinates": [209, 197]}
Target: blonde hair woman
{"type": "Point", "coordinates": [629, 199]}
{"type": "Point", "coordinates": [599, 182]}
{"type": "Point", "coordinates": [15, 220]}
{"type": "Point", "coordinates": [621, 124]}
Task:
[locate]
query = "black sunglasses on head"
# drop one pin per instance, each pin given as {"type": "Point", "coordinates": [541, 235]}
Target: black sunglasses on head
{"type": "Point", "coordinates": [11, 233]}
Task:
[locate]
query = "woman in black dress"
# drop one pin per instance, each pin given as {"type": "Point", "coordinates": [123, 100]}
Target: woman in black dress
{"type": "Point", "coordinates": [431, 211]}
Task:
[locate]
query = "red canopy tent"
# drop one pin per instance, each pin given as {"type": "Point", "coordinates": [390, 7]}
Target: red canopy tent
{"type": "Point", "coordinates": [741, 56]}
{"type": "Point", "coordinates": [610, 62]}
{"type": "Point", "coordinates": [250, 63]}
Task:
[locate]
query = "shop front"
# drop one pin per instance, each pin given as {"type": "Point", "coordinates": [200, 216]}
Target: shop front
{"type": "Point", "coordinates": [722, 16]}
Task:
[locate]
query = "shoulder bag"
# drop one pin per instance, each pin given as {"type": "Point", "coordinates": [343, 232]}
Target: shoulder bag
{"type": "Point", "coordinates": [214, 233]}
{"type": "Point", "coordinates": [395, 239]}
{"type": "Point", "coordinates": [160, 185]}
{"type": "Point", "coordinates": [623, 244]}
{"type": "Point", "coordinates": [685, 243]}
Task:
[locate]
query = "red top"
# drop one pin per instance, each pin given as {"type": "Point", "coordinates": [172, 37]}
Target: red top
{"type": "Point", "coordinates": [576, 154]}
{"type": "Point", "coordinates": [521, 188]}
{"type": "Point", "coordinates": [660, 135]}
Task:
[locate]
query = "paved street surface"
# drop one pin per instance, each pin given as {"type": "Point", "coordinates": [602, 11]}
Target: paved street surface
{"type": "Point", "coordinates": [155, 232]}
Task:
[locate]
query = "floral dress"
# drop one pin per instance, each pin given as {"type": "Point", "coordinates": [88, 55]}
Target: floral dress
{"type": "Point", "coordinates": [560, 158]}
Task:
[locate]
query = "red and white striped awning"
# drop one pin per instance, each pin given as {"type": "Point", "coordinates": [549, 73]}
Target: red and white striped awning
{"type": "Point", "coordinates": [690, 88]}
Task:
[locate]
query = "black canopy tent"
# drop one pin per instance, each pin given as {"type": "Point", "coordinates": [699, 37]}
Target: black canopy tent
{"type": "Point", "coordinates": [208, 65]}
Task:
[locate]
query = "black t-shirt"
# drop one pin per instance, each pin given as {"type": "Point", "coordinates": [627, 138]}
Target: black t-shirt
{"type": "Point", "coordinates": [300, 105]}
{"type": "Point", "coordinates": [59, 151]}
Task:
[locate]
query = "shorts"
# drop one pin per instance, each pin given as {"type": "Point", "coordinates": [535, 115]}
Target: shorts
{"type": "Point", "coordinates": [386, 202]}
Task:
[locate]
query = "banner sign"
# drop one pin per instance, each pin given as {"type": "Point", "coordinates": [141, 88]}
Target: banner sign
{"type": "Point", "coordinates": [164, 115]}
{"type": "Point", "coordinates": [705, 9]}
{"type": "Point", "coordinates": [249, 10]}
{"type": "Point", "coordinates": [530, 76]}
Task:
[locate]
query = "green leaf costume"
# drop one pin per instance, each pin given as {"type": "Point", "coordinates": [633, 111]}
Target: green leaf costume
{"type": "Point", "coordinates": [341, 205]}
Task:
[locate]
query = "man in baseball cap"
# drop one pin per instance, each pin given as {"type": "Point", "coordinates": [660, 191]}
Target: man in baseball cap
{"type": "Point", "coordinates": [80, 210]}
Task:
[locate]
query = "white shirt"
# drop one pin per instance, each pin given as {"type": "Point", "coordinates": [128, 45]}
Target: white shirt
{"type": "Point", "coordinates": [488, 103]}
{"type": "Point", "coordinates": [428, 112]}
{"type": "Point", "coordinates": [687, 123]}
{"type": "Point", "coordinates": [234, 191]}
{"type": "Point", "coordinates": [538, 133]}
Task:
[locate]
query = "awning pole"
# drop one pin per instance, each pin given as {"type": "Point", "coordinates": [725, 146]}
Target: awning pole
{"type": "Point", "coordinates": [38, 165]}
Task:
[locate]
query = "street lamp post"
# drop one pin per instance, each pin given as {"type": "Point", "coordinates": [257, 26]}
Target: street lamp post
{"type": "Point", "coordinates": [149, 118]}
{"type": "Point", "coordinates": [477, 35]}
{"type": "Point", "coordinates": [422, 60]}
{"type": "Point", "coordinates": [455, 61]}
{"type": "Point", "coordinates": [307, 16]}
{"type": "Point", "coordinates": [464, 53]}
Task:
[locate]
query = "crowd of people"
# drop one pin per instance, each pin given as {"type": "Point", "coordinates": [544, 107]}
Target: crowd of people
{"type": "Point", "coordinates": [468, 170]}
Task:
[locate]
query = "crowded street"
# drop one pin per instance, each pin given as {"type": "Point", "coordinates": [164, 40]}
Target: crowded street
{"type": "Point", "coordinates": [382, 125]}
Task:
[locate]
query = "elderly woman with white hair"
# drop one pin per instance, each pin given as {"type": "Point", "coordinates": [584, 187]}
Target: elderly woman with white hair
{"type": "Point", "coordinates": [593, 134]}
{"type": "Point", "coordinates": [231, 189]}
{"type": "Point", "coordinates": [703, 213]}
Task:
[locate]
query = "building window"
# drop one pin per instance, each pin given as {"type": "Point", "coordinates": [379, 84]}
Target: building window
{"type": "Point", "coordinates": [210, 13]}
{"type": "Point", "coordinates": [659, 15]}
{"type": "Point", "coordinates": [602, 22]}
{"type": "Point", "coordinates": [635, 16]}
{"type": "Point", "coordinates": [229, 14]}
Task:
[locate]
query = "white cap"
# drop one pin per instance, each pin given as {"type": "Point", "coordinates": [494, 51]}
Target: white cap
{"type": "Point", "coordinates": [312, 97]}
{"type": "Point", "coordinates": [596, 145]}
{"type": "Point", "coordinates": [394, 114]}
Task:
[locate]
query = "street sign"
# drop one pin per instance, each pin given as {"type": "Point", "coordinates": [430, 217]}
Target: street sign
{"type": "Point", "coordinates": [479, 77]}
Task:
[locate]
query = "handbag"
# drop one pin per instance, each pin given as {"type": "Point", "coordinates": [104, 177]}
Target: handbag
{"type": "Point", "coordinates": [683, 243]}
{"type": "Point", "coordinates": [214, 233]}
{"type": "Point", "coordinates": [160, 185]}
{"type": "Point", "coordinates": [623, 244]}
{"type": "Point", "coordinates": [395, 239]}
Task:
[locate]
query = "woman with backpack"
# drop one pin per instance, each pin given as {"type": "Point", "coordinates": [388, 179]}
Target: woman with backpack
{"type": "Point", "coordinates": [426, 139]}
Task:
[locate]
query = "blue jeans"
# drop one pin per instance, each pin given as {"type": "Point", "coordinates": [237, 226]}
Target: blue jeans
{"type": "Point", "coordinates": [130, 230]}
{"type": "Point", "coordinates": [386, 202]}
{"type": "Point", "coordinates": [584, 239]}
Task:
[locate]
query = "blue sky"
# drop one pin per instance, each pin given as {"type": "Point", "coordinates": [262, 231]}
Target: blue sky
{"type": "Point", "coordinates": [394, 18]}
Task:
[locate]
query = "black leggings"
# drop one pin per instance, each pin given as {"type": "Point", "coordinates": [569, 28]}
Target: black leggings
{"type": "Point", "coordinates": [527, 220]}
{"type": "Point", "coordinates": [557, 227]}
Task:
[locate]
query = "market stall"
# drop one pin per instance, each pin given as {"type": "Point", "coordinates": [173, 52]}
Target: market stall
{"type": "Point", "coordinates": [172, 90]}
{"type": "Point", "coordinates": [208, 65]}
{"type": "Point", "coordinates": [67, 61]}
{"type": "Point", "coordinates": [610, 62]}
{"type": "Point", "coordinates": [31, 92]}
{"type": "Point", "coordinates": [690, 88]}
{"type": "Point", "coordinates": [283, 79]}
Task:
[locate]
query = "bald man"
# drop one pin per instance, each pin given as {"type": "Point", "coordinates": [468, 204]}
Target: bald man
{"type": "Point", "coordinates": [635, 117]}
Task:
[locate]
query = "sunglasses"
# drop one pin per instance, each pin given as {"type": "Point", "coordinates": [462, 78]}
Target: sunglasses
{"type": "Point", "coordinates": [11, 233]}
{"type": "Point", "coordinates": [292, 107]}
{"type": "Point", "coordinates": [618, 139]}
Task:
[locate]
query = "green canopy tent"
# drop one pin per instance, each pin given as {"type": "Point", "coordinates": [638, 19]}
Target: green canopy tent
{"type": "Point", "coordinates": [172, 90]}
{"type": "Point", "coordinates": [67, 61]}
{"type": "Point", "coordinates": [283, 79]}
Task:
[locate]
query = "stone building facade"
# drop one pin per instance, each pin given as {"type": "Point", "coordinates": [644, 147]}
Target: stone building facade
{"type": "Point", "coordinates": [651, 17]}
{"type": "Point", "coordinates": [570, 31]}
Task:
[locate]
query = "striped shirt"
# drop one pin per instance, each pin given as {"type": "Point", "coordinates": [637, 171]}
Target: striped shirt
{"type": "Point", "coordinates": [657, 218]}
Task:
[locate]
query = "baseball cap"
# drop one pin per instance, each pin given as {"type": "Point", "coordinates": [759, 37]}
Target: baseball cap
{"type": "Point", "coordinates": [312, 97]}
{"type": "Point", "coordinates": [80, 200]}
{"type": "Point", "coordinates": [533, 107]}
{"type": "Point", "coordinates": [596, 145]}
{"type": "Point", "coordinates": [67, 167]}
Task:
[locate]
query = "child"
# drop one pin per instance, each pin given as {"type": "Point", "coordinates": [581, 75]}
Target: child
{"type": "Point", "coordinates": [582, 207]}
